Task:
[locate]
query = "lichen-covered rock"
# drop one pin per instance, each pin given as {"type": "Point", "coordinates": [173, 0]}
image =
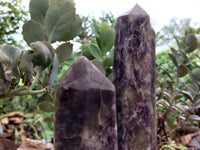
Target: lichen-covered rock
{"type": "Point", "coordinates": [85, 110]}
{"type": "Point", "coordinates": [134, 79]}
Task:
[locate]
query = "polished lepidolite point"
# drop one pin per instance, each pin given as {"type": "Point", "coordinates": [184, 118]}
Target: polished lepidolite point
{"type": "Point", "coordinates": [85, 109]}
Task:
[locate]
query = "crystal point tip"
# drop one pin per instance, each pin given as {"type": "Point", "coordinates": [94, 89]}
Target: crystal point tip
{"type": "Point", "coordinates": [137, 9]}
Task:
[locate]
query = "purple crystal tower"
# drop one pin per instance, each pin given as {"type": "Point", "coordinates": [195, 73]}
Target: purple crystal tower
{"type": "Point", "coordinates": [85, 110]}
{"type": "Point", "coordinates": [134, 80]}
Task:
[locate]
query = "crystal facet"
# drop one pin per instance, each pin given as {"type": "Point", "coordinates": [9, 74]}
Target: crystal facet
{"type": "Point", "coordinates": [85, 109]}
{"type": "Point", "coordinates": [134, 80]}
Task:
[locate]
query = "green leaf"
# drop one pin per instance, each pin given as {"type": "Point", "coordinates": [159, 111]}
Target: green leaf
{"type": "Point", "coordinates": [49, 47]}
{"type": "Point", "coordinates": [176, 107]}
{"type": "Point", "coordinates": [193, 88]}
{"type": "Point", "coordinates": [178, 96]}
{"type": "Point", "coordinates": [41, 56]}
{"type": "Point", "coordinates": [111, 52]}
{"type": "Point", "coordinates": [187, 94]}
{"type": "Point", "coordinates": [184, 57]}
{"type": "Point", "coordinates": [178, 43]}
{"type": "Point", "coordinates": [86, 52]}
{"type": "Point", "coordinates": [107, 40]}
{"type": "Point", "coordinates": [95, 51]}
{"type": "Point", "coordinates": [61, 23]}
{"type": "Point", "coordinates": [44, 77]}
{"type": "Point", "coordinates": [88, 55]}
{"type": "Point", "coordinates": [169, 85]}
{"type": "Point", "coordinates": [9, 57]}
{"type": "Point", "coordinates": [166, 72]}
{"type": "Point", "coordinates": [103, 26]}
{"type": "Point", "coordinates": [167, 95]}
{"type": "Point", "coordinates": [53, 71]}
{"type": "Point", "coordinates": [197, 104]}
{"type": "Point", "coordinates": [182, 70]}
{"type": "Point", "coordinates": [26, 68]}
{"type": "Point", "coordinates": [195, 117]}
{"type": "Point", "coordinates": [94, 41]}
{"type": "Point", "coordinates": [73, 32]}
{"type": "Point", "coordinates": [32, 32]}
{"type": "Point", "coordinates": [175, 53]}
{"type": "Point", "coordinates": [191, 43]}
{"type": "Point", "coordinates": [64, 52]}
{"type": "Point", "coordinates": [196, 74]}
{"type": "Point", "coordinates": [95, 29]}
{"type": "Point", "coordinates": [48, 96]}
{"type": "Point", "coordinates": [47, 106]}
{"type": "Point", "coordinates": [173, 59]}
{"type": "Point", "coordinates": [49, 119]}
{"type": "Point", "coordinates": [4, 84]}
{"type": "Point", "coordinates": [84, 47]}
{"type": "Point", "coordinates": [98, 64]}
{"type": "Point", "coordinates": [51, 2]}
{"type": "Point", "coordinates": [189, 30]}
{"type": "Point", "coordinates": [37, 9]}
{"type": "Point", "coordinates": [108, 62]}
{"type": "Point", "coordinates": [162, 102]}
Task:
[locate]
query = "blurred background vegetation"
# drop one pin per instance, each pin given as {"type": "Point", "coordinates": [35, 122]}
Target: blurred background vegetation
{"type": "Point", "coordinates": [13, 15]}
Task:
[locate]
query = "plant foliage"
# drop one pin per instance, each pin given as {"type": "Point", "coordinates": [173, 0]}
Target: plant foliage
{"type": "Point", "coordinates": [27, 72]}
{"type": "Point", "coordinates": [12, 14]}
{"type": "Point", "coordinates": [178, 95]}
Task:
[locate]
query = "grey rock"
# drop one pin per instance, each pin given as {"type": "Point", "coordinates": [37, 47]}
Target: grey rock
{"type": "Point", "coordinates": [85, 109]}
{"type": "Point", "coordinates": [134, 79]}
